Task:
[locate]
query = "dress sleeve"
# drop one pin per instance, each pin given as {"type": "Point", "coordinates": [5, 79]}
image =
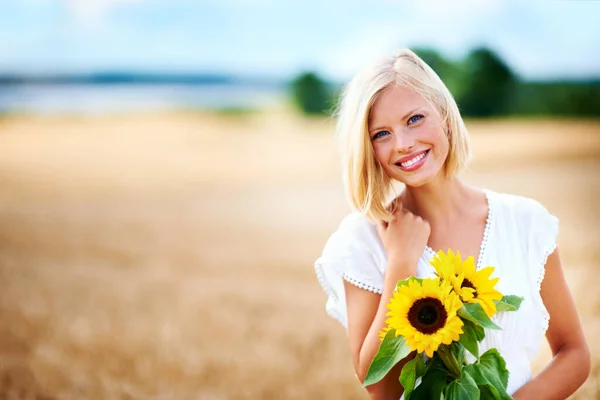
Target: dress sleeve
{"type": "Point", "coordinates": [543, 232]}
{"type": "Point", "coordinates": [348, 255]}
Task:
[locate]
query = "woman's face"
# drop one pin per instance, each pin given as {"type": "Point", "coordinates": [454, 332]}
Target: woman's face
{"type": "Point", "coordinates": [407, 136]}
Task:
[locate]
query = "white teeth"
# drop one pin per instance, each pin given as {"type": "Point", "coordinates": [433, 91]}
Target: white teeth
{"type": "Point", "coordinates": [413, 160]}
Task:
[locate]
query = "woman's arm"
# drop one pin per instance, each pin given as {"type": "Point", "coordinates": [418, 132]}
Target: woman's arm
{"type": "Point", "coordinates": [404, 239]}
{"type": "Point", "coordinates": [366, 317]}
{"type": "Point", "coordinates": [570, 366]}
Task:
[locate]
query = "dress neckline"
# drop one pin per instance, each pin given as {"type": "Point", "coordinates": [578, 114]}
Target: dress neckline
{"type": "Point", "coordinates": [484, 239]}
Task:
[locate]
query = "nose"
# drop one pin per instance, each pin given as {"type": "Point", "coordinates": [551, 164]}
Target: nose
{"type": "Point", "coordinates": [404, 141]}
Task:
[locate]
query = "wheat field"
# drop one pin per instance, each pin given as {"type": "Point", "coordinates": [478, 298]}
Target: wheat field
{"type": "Point", "coordinates": [170, 255]}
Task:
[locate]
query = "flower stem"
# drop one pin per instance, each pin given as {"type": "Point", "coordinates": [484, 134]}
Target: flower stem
{"type": "Point", "coordinates": [449, 361]}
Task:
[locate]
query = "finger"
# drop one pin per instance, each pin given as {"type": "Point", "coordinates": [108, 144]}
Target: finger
{"type": "Point", "coordinates": [427, 225]}
{"type": "Point", "coordinates": [391, 208]}
{"type": "Point", "coordinates": [398, 207]}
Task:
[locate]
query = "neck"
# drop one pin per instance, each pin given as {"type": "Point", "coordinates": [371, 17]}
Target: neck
{"type": "Point", "coordinates": [438, 201]}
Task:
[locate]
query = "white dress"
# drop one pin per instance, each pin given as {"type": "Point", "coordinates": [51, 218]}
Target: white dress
{"type": "Point", "coordinates": [519, 236]}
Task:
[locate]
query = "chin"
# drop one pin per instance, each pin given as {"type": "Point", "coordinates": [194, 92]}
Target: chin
{"type": "Point", "coordinates": [415, 183]}
{"type": "Point", "coordinates": [418, 180]}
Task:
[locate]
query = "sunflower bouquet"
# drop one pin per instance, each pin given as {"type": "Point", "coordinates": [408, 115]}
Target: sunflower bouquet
{"type": "Point", "coordinates": [445, 317]}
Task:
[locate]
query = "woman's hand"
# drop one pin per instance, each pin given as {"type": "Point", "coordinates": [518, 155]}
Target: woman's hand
{"type": "Point", "coordinates": [404, 239]}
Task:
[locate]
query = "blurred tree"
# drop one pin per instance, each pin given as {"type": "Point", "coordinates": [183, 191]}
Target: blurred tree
{"type": "Point", "coordinates": [450, 73]}
{"type": "Point", "coordinates": [483, 86]}
{"type": "Point", "coordinates": [559, 98]}
{"type": "Point", "coordinates": [488, 87]}
{"type": "Point", "coordinates": [433, 59]}
{"type": "Point", "coordinates": [311, 94]}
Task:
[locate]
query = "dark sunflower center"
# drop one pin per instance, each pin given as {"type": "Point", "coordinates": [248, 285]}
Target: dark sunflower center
{"type": "Point", "coordinates": [469, 284]}
{"type": "Point", "coordinates": [427, 315]}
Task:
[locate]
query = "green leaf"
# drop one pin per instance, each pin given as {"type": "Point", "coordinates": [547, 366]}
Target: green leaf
{"type": "Point", "coordinates": [391, 350]}
{"type": "Point", "coordinates": [405, 281]}
{"type": "Point", "coordinates": [412, 370]}
{"type": "Point", "coordinates": [434, 363]}
{"type": "Point", "coordinates": [475, 313]}
{"type": "Point", "coordinates": [479, 332]}
{"type": "Point", "coordinates": [469, 337]}
{"type": "Point", "coordinates": [421, 368]}
{"type": "Point", "coordinates": [458, 351]}
{"type": "Point", "coordinates": [433, 382]}
{"type": "Point", "coordinates": [402, 283]}
{"type": "Point", "coordinates": [464, 388]}
{"type": "Point", "coordinates": [489, 392]}
{"type": "Point", "coordinates": [493, 361]}
{"type": "Point", "coordinates": [509, 303]}
{"type": "Point", "coordinates": [491, 370]}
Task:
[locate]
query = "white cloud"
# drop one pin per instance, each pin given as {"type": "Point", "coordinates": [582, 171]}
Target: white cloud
{"type": "Point", "coordinates": [447, 29]}
{"type": "Point", "coordinates": [93, 11]}
{"type": "Point", "coordinates": [536, 38]}
{"type": "Point", "coordinates": [243, 3]}
{"type": "Point", "coordinates": [347, 58]}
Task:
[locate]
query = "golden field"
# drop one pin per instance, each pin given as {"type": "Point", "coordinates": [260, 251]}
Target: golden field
{"type": "Point", "coordinates": [170, 255]}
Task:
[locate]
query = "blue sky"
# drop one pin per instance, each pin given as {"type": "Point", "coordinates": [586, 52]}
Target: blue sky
{"type": "Point", "coordinates": [538, 39]}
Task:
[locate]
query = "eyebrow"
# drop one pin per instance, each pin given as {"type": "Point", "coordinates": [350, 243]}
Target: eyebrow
{"type": "Point", "coordinates": [403, 118]}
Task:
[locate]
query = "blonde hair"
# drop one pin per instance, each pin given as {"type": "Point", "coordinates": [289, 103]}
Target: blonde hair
{"type": "Point", "coordinates": [367, 185]}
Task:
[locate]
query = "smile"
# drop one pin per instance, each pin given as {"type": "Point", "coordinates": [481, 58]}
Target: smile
{"type": "Point", "coordinates": [413, 163]}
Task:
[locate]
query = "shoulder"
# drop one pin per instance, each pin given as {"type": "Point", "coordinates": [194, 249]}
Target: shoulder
{"type": "Point", "coordinates": [353, 253]}
{"type": "Point", "coordinates": [526, 220]}
{"type": "Point", "coordinates": [356, 224]}
{"type": "Point", "coordinates": [521, 208]}
{"type": "Point", "coordinates": [355, 247]}
{"type": "Point", "coordinates": [354, 231]}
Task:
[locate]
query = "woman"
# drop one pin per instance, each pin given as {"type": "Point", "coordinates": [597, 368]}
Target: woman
{"type": "Point", "coordinates": [399, 123]}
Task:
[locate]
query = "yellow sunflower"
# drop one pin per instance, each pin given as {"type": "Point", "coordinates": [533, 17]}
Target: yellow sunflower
{"type": "Point", "coordinates": [471, 285]}
{"type": "Point", "coordinates": [425, 314]}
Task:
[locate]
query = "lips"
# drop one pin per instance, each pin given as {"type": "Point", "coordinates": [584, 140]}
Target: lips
{"type": "Point", "coordinates": [413, 160]}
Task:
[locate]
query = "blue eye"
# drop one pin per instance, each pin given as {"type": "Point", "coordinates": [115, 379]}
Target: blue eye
{"type": "Point", "coordinates": [380, 134]}
{"type": "Point", "coordinates": [414, 118]}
